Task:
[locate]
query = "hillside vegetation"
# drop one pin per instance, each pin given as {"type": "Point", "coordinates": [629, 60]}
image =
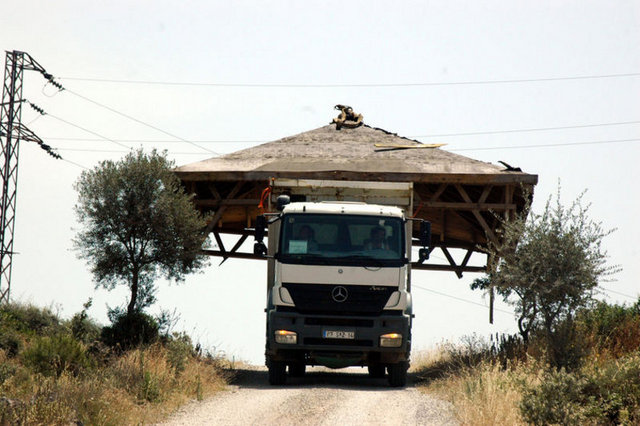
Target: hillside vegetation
{"type": "Point", "coordinates": [507, 382]}
{"type": "Point", "coordinates": [55, 371]}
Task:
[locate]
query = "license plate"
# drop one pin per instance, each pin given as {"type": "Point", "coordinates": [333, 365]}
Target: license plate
{"type": "Point", "coordinates": [338, 334]}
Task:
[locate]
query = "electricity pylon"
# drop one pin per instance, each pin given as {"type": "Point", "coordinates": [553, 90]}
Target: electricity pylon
{"type": "Point", "coordinates": [12, 131]}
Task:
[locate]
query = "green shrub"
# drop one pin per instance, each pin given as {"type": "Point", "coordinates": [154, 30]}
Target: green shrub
{"type": "Point", "coordinates": [179, 349]}
{"type": "Point", "coordinates": [29, 319]}
{"type": "Point", "coordinates": [149, 388]}
{"type": "Point", "coordinates": [10, 341]}
{"type": "Point", "coordinates": [555, 401]}
{"type": "Point", "coordinates": [85, 329]}
{"type": "Point", "coordinates": [53, 355]}
{"type": "Point", "coordinates": [614, 328]}
{"type": "Point", "coordinates": [602, 394]}
{"type": "Point", "coordinates": [128, 331]}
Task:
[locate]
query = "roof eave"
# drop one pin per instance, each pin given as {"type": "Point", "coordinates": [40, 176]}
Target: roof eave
{"type": "Point", "coordinates": [262, 175]}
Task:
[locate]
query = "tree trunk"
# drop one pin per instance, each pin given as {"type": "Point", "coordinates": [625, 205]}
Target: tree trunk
{"type": "Point", "coordinates": [134, 292]}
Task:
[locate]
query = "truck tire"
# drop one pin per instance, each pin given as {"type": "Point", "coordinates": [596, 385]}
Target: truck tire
{"type": "Point", "coordinates": [277, 373]}
{"type": "Point", "coordinates": [297, 369]}
{"type": "Point", "coordinates": [398, 374]}
{"type": "Point", "coordinates": [376, 371]}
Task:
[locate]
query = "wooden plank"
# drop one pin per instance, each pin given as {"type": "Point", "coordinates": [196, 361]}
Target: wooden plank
{"type": "Point", "coordinates": [221, 210]}
{"type": "Point", "coordinates": [452, 262]}
{"type": "Point", "coordinates": [449, 178]}
{"type": "Point", "coordinates": [237, 255]}
{"type": "Point", "coordinates": [235, 202]}
{"type": "Point", "coordinates": [468, 205]}
{"type": "Point", "coordinates": [448, 268]}
{"type": "Point", "coordinates": [477, 215]}
{"type": "Point", "coordinates": [214, 191]}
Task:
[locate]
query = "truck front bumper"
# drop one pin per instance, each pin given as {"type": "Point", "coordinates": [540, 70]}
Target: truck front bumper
{"type": "Point", "coordinates": [359, 343]}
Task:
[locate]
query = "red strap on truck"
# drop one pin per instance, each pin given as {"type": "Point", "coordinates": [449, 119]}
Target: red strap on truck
{"type": "Point", "coordinates": [264, 198]}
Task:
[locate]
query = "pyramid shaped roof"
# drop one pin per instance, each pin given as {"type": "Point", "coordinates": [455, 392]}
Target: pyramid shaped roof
{"type": "Point", "coordinates": [362, 153]}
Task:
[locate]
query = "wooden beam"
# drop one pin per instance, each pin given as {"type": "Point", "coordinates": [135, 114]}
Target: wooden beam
{"type": "Point", "coordinates": [237, 255]}
{"type": "Point", "coordinates": [234, 202]}
{"type": "Point", "coordinates": [214, 191]}
{"type": "Point", "coordinates": [477, 214]}
{"type": "Point", "coordinates": [452, 262]}
{"type": "Point", "coordinates": [216, 234]}
{"type": "Point", "coordinates": [221, 210]}
{"type": "Point", "coordinates": [448, 268]}
{"type": "Point", "coordinates": [468, 205]}
{"type": "Point", "coordinates": [429, 178]}
{"type": "Point", "coordinates": [235, 248]}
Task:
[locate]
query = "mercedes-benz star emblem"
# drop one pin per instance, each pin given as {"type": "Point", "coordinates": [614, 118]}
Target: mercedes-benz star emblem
{"type": "Point", "coordinates": [339, 294]}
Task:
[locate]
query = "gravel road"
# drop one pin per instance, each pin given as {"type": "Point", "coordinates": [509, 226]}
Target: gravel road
{"type": "Point", "coordinates": [321, 397]}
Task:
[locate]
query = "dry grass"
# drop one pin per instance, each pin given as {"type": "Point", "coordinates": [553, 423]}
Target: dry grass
{"type": "Point", "coordinates": [483, 394]}
{"type": "Point", "coordinates": [140, 386]}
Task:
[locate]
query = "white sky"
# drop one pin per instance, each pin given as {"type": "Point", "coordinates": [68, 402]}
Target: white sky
{"type": "Point", "coordinates": [323, 43]}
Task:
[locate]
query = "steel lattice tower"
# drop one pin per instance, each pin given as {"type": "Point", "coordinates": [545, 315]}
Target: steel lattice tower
{"type": "Point", "coordinates": [11, 132]}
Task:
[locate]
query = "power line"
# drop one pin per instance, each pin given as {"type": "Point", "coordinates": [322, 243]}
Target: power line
{"type": "Point", "coordinates": [338, 85]}
{"type": "Point", "coordinates": [115, 111]}
{"type": "Point", "coordinates": [460, 299]}
{"type": "Point", "coordinates": [538, 129]}
{"type": "Point", "coordinates": [546, 145]}
{"type": "Point", "coordinates": [88, 131]}
{"type": "Point", "coordinates": [75, 164]}
{"type": "Point", "coordinates": [451, 150]}
{"type": "Point", "coordinates": [621, 294]}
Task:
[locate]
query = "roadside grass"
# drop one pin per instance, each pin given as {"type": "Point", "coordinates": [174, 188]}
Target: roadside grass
{"type": "Point", "coordinates": [505, 383]}
{"type": "Point", "coordinates": [50, 376]}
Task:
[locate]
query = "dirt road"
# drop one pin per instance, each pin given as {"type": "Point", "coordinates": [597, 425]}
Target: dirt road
{"type": "Point", "coordinates": [321, 397]}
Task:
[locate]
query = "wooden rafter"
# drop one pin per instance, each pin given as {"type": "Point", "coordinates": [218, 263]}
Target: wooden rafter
{"type": "Point", "coordinates": [220, 211]}
{"type": "Point", "coordinates": [476, 213]}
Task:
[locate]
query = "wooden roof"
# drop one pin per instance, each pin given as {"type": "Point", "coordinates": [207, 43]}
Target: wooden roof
{"type": "Point", "coordinates": [462, 197]}
{"type": "Point", "coordinates": [351, 154]}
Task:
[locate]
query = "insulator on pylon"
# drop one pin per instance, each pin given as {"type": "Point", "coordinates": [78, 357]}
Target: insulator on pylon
{"type": "Point", "coordinates": [37, 108]}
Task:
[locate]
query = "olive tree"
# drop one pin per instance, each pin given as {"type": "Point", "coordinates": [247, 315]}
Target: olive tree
{"type": "Point", "coordinates": [137, 224]}
{"type": "Point", "coordinates": [549, 266]}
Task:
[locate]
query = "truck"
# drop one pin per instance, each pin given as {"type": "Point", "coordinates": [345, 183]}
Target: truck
{"type": "Point", "coordinates": [339, 276]}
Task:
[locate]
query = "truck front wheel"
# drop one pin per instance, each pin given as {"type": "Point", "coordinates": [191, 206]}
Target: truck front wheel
{"type": "Point", "coordinates": [398, 374]}
{"type": "Point", "coordinates": [277, 373]}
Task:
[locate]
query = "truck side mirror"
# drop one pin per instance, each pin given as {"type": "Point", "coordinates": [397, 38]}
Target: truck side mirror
{"type": "Point", "coordinates": [282, 201]}
{"type": "Point", "coordinates": [261, 224]}
{"type": "Point", "coordinates": [425, 234]}
{"type": "Point", "coordinates": [259, 249]}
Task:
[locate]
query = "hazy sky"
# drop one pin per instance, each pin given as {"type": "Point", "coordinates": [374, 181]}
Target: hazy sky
{"type": "Point", "coordinates": [276, 68]}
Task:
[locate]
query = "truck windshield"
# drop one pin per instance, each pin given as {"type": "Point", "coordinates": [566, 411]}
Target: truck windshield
{"type": "Point", "coordinates": [344, 239]}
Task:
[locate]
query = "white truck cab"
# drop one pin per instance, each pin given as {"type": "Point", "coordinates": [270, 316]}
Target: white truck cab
{"type": "Point", "coordinates": [339, 290]}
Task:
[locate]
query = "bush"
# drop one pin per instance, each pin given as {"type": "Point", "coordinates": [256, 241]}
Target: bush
{"type": "Point", "coordinates": [129, 331]}
{"type": "Point", "coordinates": [605, 394]}
{"type": "Point", "coordinates": [84, 328]}
{"type": "Point", "coordinates": [29, 319]}
{"type": "Point", "coordinates": [10, 342]}
{"type": "Point", "coordinates": [555, 400]}
{"type": "Point", "coordinates": [613, 328]}
{"type": "Point", "coordinates": [53, 355]}
{"type": "Point", "coordinates": [179, 349]}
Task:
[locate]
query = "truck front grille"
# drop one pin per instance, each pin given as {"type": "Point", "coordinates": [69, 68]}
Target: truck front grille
{"type": "Point", "coordinates": [318, 299]}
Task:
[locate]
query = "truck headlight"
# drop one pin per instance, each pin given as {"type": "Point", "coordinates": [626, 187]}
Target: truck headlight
{"type": "Point", "coordinates": [391, 340]}
{"type": "Point", "coordinates": [286, 337]}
